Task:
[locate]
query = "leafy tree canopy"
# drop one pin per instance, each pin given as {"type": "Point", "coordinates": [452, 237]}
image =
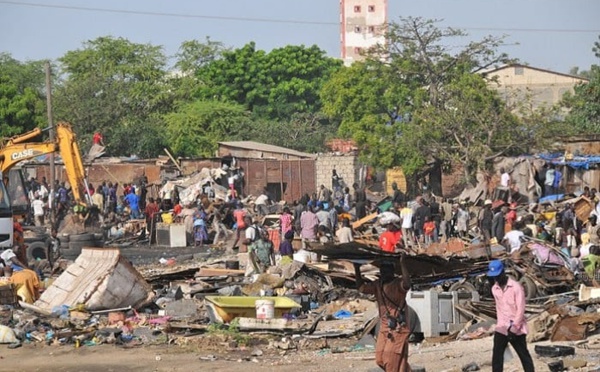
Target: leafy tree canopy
{"type": "Point", "coordinates": [114, 86]}
{"type": "Point", "coordinates": [195, 128]}
{"type": "Point", "coordinates": [419, 99]}
{"type": "Point", "coordinates": [305, 132]}
{"type": "Point", "coordinates": [273, 85]}
{"type": "Point", "coordinates": [22, 98]}
{"type": "Point", "coordinates": [584, 103]}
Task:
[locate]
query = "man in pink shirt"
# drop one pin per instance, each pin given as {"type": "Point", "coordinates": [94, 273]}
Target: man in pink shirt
{"type": "Point", "coordinates": [511, 325]}
{"type": "Point", "coordinates": [308, 224]}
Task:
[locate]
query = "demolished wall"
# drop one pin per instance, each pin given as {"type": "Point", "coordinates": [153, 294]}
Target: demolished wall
{"type": "Point", "coordinates": [347, 166]}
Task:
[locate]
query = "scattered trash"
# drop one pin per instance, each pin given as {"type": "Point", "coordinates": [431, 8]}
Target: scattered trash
{"type": "Point", "coordinates": [471, 367]}
{"type": "Point", "coordinates": [554, 351]}
{"type": "Point", "coordinates": [210, 358]}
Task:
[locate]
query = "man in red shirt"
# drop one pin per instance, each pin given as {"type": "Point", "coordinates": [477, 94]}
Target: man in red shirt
{"type": "Point", "coordinates": [239, 215]}
{"type": "Point", "coordinates": [390, 238]}
{"type": "Point", "coordinates": [98, 139]}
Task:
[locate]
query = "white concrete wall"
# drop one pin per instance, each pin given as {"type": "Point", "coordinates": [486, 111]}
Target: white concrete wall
{"type": "Point", "coordinates": [362, 26]}
{"type": "Point", "coordinates": [546, 88]}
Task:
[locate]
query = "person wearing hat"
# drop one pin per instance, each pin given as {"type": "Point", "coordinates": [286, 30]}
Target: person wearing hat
{"type": "Point", "coordinates": [511, 325]}
{"type": "Point", "coordinates": [391, 350]}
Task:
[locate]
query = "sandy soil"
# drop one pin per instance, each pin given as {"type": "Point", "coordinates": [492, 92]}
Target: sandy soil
{"type": "Point", "coordinates": [105, 358]}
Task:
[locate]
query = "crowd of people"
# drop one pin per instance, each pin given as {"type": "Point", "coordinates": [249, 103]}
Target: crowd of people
{"type": "Point", "coordinates": [326, 216]}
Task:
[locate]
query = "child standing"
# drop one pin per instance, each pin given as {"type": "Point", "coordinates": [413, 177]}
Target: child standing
{"type": "Point", "coordinates": [428, 230]}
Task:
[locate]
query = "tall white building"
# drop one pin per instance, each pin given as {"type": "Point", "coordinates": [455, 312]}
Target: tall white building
{"type": "Point", "coordinates": [363, 24]}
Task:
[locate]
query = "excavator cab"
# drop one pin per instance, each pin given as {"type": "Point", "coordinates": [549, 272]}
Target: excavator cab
{"type": "Point", "coordinates": [6, 218]}
{"type": "Point", "coordinates": [17, 192]}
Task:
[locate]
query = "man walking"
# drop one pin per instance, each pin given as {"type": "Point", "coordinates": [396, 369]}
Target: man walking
{"type": "Point", "coordinates": [511, 325]}
{"type": "Point", "coordinates": [391, 350]}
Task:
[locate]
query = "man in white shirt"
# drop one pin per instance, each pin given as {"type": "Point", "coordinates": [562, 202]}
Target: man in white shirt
{"type": "Point", "coordinates": [38, 211]}
{"type": "Point", "coordinates": [323, 216]}
{"type": "Point", "coordinates": [514, 238]}
{"type": "Point", "coordinates": [344, 234]}
{"type": "Point", "coordinates": [406, 214]}
{"type": "Point", "coordinates": [261, 203]}
{"type": "Point", "coordinates": [504, 178]}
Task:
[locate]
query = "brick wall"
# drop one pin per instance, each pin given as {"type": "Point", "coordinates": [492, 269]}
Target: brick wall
{"type": "Point", "coordinates": [347, 166]}
{"type": "Point", "coordinates": [453, 182]}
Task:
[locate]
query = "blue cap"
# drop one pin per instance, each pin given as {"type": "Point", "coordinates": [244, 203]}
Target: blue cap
{"type": "Point", "coordinates": [495, 268]}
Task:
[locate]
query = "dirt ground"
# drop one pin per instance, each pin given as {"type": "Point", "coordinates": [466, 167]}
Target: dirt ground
{"type": "Point", "coordinates": [105, 358]}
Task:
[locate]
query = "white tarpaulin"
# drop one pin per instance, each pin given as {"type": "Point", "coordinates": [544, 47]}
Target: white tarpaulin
{"type": "Point", "coordinates": [192, 186]}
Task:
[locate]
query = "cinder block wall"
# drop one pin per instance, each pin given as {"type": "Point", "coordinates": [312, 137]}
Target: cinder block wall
{"type": "Point", "coordinates": [347, 166]}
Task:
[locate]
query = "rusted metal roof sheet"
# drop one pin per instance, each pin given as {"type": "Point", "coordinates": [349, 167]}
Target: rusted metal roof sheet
{"type": "Point", "coordinates": [257, 146]}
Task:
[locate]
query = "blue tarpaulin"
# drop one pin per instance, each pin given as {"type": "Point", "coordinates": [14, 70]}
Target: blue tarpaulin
{"type": "Point", "coordinates": [577, 162]}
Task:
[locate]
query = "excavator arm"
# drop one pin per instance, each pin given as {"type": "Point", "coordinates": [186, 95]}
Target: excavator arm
{"type": "Point", "coordinates": [71, 156]}
{"type": "Point", "coordinates": [16, 149]}
{"type": "Point", "coordinates": [16, 153]}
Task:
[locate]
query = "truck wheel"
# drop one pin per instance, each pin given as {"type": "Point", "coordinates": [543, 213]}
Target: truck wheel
{"type": "Point", "coordinates": [37, 250]}
{"type": "Point", "coordinates": [529, 287]}
{"type": "Point", "coordinates": [462, 287]}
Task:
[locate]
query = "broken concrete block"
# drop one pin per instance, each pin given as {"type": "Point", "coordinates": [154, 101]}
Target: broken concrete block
{"type": "Point", "coordinates": [181, 308]}
{"type": "Point", "coordinates": [574, 363]}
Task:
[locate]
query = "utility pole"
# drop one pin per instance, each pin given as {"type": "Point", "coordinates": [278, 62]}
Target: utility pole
{"type": "Point", "coordinates": [52, 137]}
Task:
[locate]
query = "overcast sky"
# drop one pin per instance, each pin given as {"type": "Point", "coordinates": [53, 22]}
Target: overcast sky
{"type": "Point", "coordinates": [552, 34]}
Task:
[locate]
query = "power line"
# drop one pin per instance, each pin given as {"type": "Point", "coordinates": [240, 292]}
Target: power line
{"type": "Point", "coordinates": [271, 20]}
{"type": "Point", "coordinates": [162, 14]}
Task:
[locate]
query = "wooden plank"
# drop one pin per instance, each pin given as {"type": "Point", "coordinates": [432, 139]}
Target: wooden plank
{"type": "Point", "coordinates": [362, 221]}
{"type": "Point", "coordinates": [206, 271]}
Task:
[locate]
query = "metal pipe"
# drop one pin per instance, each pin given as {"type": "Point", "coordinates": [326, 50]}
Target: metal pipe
{"type": "Point", "coordinates": [52, 138]}
{"type": "Point", "coordinates": [555, 295]}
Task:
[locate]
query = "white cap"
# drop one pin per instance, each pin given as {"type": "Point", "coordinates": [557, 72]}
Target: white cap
{"type": "Point", "coordinates": [7, 254]}
{"type": "Point", "coordinates": [487, 202]}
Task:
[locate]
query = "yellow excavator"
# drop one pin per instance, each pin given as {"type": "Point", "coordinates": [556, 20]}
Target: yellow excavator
{"type": "Point", "coordinates": [19, 148]}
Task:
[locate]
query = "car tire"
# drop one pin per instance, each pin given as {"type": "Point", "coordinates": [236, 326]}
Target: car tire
{"type": "Point", "coordinates": [37, 250]}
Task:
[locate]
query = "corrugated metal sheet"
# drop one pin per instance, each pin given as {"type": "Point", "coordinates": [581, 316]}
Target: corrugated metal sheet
{"type": "Point", "coordinates": [259, 150]}
{"type": "Point", "coordinates": [392, 175]}
{"type": "Point", "coordinates": [294, 177]}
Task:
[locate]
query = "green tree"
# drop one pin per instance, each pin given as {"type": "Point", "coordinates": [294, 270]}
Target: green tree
{"type": "Point", "coordinates": [195, 128]}
{"type": "Point", "coordinates": [584, 103]}
{"type": "Point", "coordinates": [575, 71]}
{"type": "Point", "coordinates": [396, 104]}
{"type": "Point", "coordinates": [369, 107]}
{"type": "Point", "coordinates": [117, 87]}
{"type": "Point", "coordinates": [305, 132]}
{"type": "Point", "coordinates": [273, 85]}
{"type": "Point", "coordinates": [22, 98]}
{"type": "Point", "coordinates": [193, 56]}
{"type": "Point", "coordinates": [473, 128]}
